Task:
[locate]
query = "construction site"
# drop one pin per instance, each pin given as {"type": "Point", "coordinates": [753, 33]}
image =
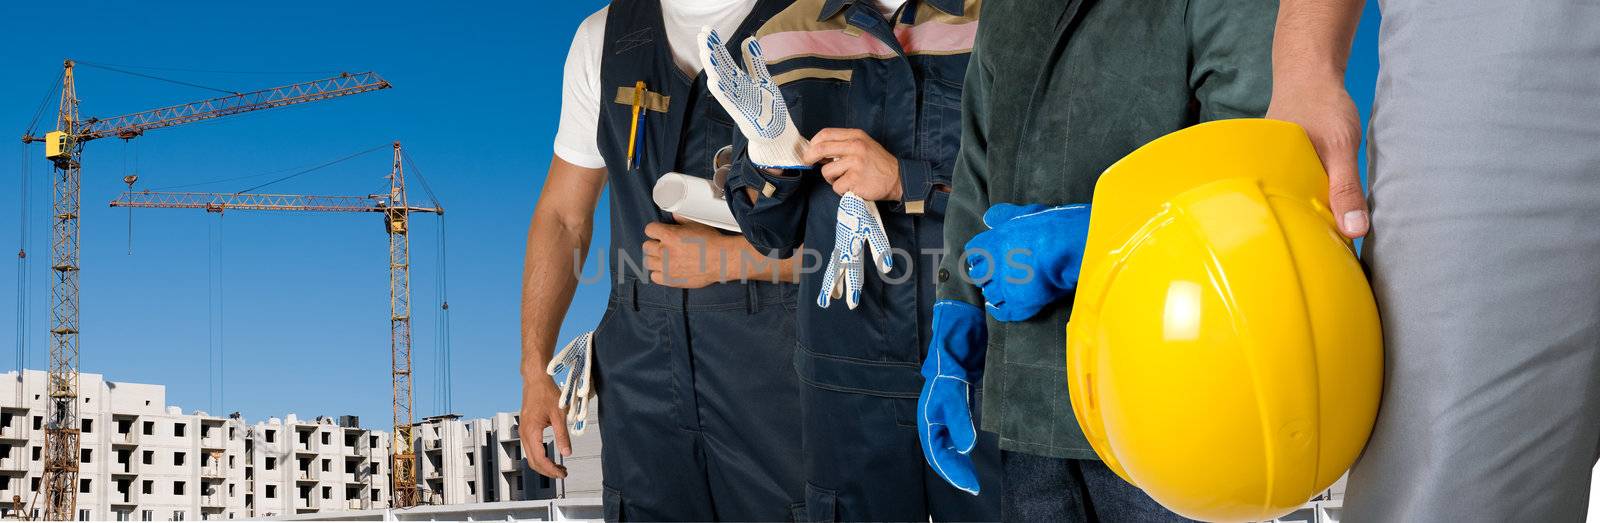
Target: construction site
{"type": "Point", "coordinates": [78, 446]}
{"type": "Point", "coordinates": [141, 459]}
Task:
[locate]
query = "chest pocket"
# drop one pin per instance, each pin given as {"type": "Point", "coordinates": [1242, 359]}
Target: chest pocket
{"type": "Point", "coordinates": [818, 103]}
{"type": "Point", "coordinates": [714, 132]}
{"type": "Point", "coordinates": [939, 136]}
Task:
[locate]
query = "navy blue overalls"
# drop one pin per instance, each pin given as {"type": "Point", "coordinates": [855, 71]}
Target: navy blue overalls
{"type": "Point", "coordinates": [842, 64]}
{"type": "Point", "coordinates": [699, 403]}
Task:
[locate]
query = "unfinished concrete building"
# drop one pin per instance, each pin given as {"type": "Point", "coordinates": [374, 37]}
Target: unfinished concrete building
{"type": "Point", "coordinates": [308, 466]}
{"type": "Point", "coordinates": [481, 460]}
{"type": "Point", "coordinates": [143, 460]}
{"type": "Point", "coordinates": [140, 459]}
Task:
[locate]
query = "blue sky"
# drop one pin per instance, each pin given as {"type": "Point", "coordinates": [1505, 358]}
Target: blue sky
{"type": "Point", "coordinates": [303, 299]}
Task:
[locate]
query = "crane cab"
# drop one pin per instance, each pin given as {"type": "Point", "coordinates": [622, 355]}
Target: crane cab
{"type": "Point", "coordinates": [395, 222]}
{"type": "Point", "coordinates": [55, 145]}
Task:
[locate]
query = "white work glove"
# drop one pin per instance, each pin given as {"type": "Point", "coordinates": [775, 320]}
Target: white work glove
{"type": "Point", "coordinates": [570, 368]}
{"type": "Point", "coordinates": [754, 102]}
{"type": "Point", "coordinates": [859, 223]}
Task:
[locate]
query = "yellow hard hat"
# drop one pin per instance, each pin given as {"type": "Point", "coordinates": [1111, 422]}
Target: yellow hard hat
{"type": "Point", "coordinates": [1224, 352]}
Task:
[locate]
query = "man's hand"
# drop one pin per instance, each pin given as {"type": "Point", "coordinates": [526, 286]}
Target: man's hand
{"type": "Point", "coordinates": [1324, 108]}
{"type": "Point", "coordinates": [1309, 55]}
{"type": "Point", "coordinates": [558, 238]}
{"type": "Point", "coordinates": [1029, 258]}
{"type": "Point", "coordinates": [690, 255]}
{"type": "Point", "coordinates": [540, 409]}
{"type": "Point", "coordinates": [753, 100]}
{"type": "Point", "coordinates": [954, 364]}
{"type": "Point", "coordinates": [858, 164]}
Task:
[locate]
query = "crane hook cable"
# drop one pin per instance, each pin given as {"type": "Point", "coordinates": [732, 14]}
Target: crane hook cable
{"type": "Point", "coordinates": [443, 388]}
{"type": "Point", "coordinates": [23, 263]}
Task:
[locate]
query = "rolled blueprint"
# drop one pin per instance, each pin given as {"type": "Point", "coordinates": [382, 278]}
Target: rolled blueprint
{"type": "Point", "coordinates": [693, 198]}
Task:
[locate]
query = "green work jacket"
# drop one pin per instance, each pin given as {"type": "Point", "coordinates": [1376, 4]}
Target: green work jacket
{"type": "Point", "coordinates": [1055, 93]}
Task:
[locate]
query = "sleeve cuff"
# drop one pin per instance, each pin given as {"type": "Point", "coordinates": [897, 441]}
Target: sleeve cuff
{"type": "Point", "coordinates": [916, 185]}
{"type": "Point", "coordinates": [952, 279]}
{"type": "Point", "coordinates": [778, 187]}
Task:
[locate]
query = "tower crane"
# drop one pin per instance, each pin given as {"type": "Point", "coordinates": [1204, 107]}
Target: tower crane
{"type": "Point", "coordinates": [64, 148]}
{"type": "Point", "coordinates": [396, 211]}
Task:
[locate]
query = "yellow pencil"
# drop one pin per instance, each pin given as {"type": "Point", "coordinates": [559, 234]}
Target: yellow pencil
{"type": "Point", "coordinates": [633, 132]}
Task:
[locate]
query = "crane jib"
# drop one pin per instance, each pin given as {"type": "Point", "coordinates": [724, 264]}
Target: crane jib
{"type": "Point", "coordinates": [260, 202]}
{"type": "Point", "coordinates": [131, 125]}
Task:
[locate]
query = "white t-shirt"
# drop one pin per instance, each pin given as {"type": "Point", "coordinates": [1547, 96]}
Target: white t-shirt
{"type": "Point", "coordinates": [888, 7]}
{"type": "Point", "coordinates": [580, 87]}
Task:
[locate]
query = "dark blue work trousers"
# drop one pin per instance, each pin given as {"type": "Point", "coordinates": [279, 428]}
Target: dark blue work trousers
{"type": "Point", "coordinates": [864, 463]}
{"type": "Point", "coordinates": [698, 403]}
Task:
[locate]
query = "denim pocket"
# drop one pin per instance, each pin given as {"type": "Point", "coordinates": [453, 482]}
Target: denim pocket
{"type": "Point", "coordinates": [821, 504]}
{"type": "Point", "coordinates": [615, 508]}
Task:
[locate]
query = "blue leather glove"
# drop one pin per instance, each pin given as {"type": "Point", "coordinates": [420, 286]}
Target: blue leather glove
{"type": "Point", "coordinates": [1029, 257]}
{"type": "Point", "coordinates": [944, 417]}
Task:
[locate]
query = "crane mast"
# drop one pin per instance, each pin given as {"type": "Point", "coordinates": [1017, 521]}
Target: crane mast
{"type": "Point", "coordinates": [61, 444]}
{"type": "Point", "coordinates": [396, 210]}
{"type": "Point", "coordinates": [64, 148]}
{"type": "Point", "coordinates": [403, 466]}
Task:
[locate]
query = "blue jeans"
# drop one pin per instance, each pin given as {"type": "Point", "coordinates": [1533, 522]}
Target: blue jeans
{"type": "Point", "coordinates": [1040, 488]}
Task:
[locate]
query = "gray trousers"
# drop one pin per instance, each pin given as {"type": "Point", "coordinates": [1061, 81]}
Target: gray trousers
{"type": "Point", "coordinates": [1485, 260]}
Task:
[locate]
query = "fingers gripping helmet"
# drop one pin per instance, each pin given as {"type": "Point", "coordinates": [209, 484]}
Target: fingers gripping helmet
{"type": "Point", "coordinates": [1223, 353]}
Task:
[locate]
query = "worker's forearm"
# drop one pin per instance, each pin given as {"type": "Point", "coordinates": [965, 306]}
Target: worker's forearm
{"type": "Point", "coordinates": [555, 253]}
{"type": "Point", "coordinates": [748, 264]}
{"type": "Point", "coordinates": [1313, 37]}
{"type": "Point", "coordinates": [788, 269]}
